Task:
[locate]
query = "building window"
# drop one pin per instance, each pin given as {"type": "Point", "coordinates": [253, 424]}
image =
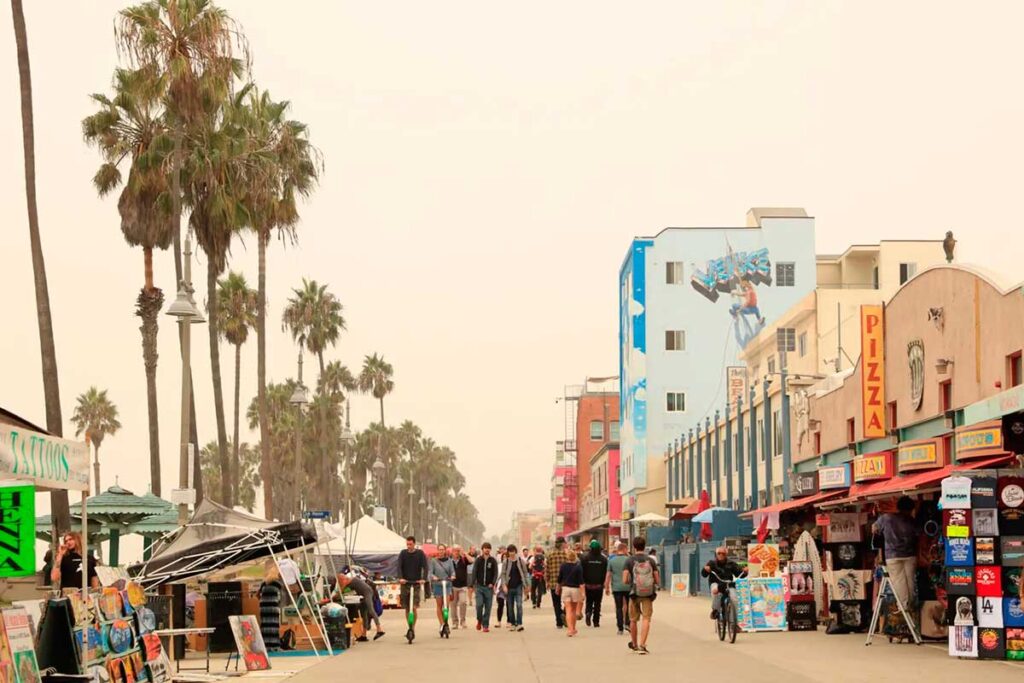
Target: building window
{"type": "Point", "coordinates": [674, 273]}
{"type": "Point", "coordinates": [946, 396]}
{"type": "Point", "coordinates": [851, 430]}
{"type": "Point", "coordinates": [785, 338]}
{"type": "Point", "coordinates": [802, 344]}
{"type": "Point", "coordinates": [1014, 369]}
{"type": "Point", "coordinates": [777, 493]}
{"type": "Point", "coordinates": [907, 271]}
{"type": "Point", "coordinates": [785, 274]}
{"type": "Point", "coordinates": [675, 402]}
{"type": "Point", "coordinates": [764, 446]}
{"type": "Point", "coordinates": [771, 365]}
{"type": "Point", "coordinates": [892, 415]}
{"type": "Point", "coordinates": [817, 443]}
{"type": "Point", "coordinates": [614, 430]}
{"type": "Point", "coordinates": [596, 430]}
{"type": "Point", "coordinates": [675, 340]}
{"type": "Point", "coordinates": [777, 433]}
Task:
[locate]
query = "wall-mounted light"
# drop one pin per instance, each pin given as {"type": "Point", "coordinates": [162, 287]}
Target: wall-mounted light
{"type": "Point", "coordinates": [814, 424]}
{"type": "Point", "coordinates": [942, 365]}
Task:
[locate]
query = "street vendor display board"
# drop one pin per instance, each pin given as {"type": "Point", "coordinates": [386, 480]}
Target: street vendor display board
{"type": "Point", "coordinates": [20, 644]}
{"type": "Point", "coordinates": [249, 641]}
{"type": "Point", "coordinates": [763, 559]}
{"type": "Point", "coordinates": [390, 594]}
{"type": "Point", "coordinates": [17, 531]}
{"type": "Point", "coordinates": [762, 605]}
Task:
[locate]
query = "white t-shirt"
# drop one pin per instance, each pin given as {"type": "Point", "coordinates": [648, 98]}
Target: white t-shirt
{"type": "Point", "coordinates": [289, 571]}
{"type": "Point", "coordinates": [956, 493]}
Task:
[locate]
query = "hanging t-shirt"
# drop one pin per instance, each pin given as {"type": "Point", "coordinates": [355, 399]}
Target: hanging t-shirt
{"type": "Point", "coordinates": [1012, 551]}
{"type": "Point", "coordinates": [985, 550]}
{"type": "Point", "coordinates": [963, 641]}
{"type": "Point", "coordinates": [1014, 638]}
{"type": "Point", "coordinates": [959, 552]}
{"type": "Point", "coordinates": [956, 493]}
{"type": "Point", "coordinates": [960, 611]}
{"type": "Point", "coordinates": [1011, 491]}
{"type": "Point", "coordinates": [846, 555]}
{"type": "Point", "coordinates": [1011, 581]}
{"type": "Point", "coordinates": [988, 581]}
{"type": "Point", "coordinates": [960, 580]}
{"type": "Point", "coordinates": [1011, 521]}
{"type": "Point", "coordinates": [956, 522]}
{"type": "Point", "coordinates": [991, 644]}
{"type": "Point", "coordinates": [1013, 613]}
{"type": "Point", "coordinates": [983, 488]}
{"type": "Point", "coordinates": [985, 521]}
{"type": "Point", "coordinates": [990, 612]}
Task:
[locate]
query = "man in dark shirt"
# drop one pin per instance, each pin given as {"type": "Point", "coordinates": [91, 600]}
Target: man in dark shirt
{"type": "Point", "coordinates": [485, 575]}
{"type": "Point", "coordinates": [595, 567]}
{"type": "Point", "coordinates": [460, 599]}
{"type": "Point", "coordinates": [900, 533]}
{"type": "Point", "coordinates": [718, 572]}
{"type": "Point", "coordinates": [552, 564]}
{"type": "Point", "coordinates": [536, 568]}
{"type": "Point", "coordinates": [412, 572]}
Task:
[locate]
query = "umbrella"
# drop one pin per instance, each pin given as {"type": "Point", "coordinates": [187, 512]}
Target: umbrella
{"type": "Point", "coordinates": [651, 517]}
{"type": "Point", "coordinates": [705, 504]}
{"type": "Point", "coordinates": [707, 516]}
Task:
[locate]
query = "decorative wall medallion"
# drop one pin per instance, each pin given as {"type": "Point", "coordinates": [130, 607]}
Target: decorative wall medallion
{"type": "Point", "coordinates": [915, 358]}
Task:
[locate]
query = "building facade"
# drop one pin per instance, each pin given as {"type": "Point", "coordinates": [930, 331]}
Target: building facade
{"type": "Point", "coordinates": [597, 425]}
{"type": "Point", "coordinates": [564, 499]}
{"type": "Point", "coordinates": [690, 299]}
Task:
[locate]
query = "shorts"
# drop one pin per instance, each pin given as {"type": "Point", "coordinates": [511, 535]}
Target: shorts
{"type": "Point", "coordinates": [571, 594]}
{"type": "Point", "coordinates": [640, 607]}
{"type": "Point", "coordinates": [407, 590]}
{"type": "Point", "coordinates": [438, 586]}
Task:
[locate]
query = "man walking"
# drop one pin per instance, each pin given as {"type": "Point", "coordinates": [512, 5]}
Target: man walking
{"type": "Point", "coordinates": [615, 586]}
{"type": "Point", "coordinates": [552, 563]}
{"type": "Point", "coordinates": [412, 571]}
{"type": "Point", "coordinates": [485, 574]}
{"type": "Point", "coordinates": [595, 571]}
{"type": "Point", "coordinates": [641, 575]}
{"type": "Point", "coordinates": [514, 577]}
{"type": "Point", "coordinates": [537, 584]}
{"type": "Point", "coordinates": [460, 583]}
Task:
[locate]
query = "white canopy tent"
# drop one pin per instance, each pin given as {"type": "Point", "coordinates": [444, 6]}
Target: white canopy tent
{"type": "Point", "coordinates": [366, 542]}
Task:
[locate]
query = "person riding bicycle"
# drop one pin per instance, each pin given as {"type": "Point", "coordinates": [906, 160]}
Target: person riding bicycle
{"type": "Point", "coordinates": [719, 571]}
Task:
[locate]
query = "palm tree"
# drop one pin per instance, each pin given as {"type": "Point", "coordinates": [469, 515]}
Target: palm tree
{"type": "Point", "coordinates": [128, 130]}
{"type": "Point", "coordinates": [96, 417]}
{"type": "Point", "coordinates": [376, 379]}
{"type": "Point", "coordinates": [338, 382]}
{"type": "Point", "coordinates": [314, 315]}
{"type": "Point", "coordinates": [236, 307]}
{"type": "Point", "coordinates": [289, 169]}
{"type": "Point", "coordinates": [247, 473]}
{"type": "Point", "coordinates": [48, 353]}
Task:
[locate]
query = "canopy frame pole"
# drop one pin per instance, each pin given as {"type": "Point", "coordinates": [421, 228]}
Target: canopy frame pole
{"type": "Point", "coordinates": [291, 596]}
{"type": "Point", "coordinates": [85, 569]}
{"type": "Point", "coordinates": [318, 618]}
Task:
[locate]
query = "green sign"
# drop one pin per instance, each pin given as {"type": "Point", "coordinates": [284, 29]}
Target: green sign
{"type": "Point", "coordinates": [17, 531]}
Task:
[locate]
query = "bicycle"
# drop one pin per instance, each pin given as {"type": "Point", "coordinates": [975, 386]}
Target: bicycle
{"type": "Point", "coordinates": [727, 622]}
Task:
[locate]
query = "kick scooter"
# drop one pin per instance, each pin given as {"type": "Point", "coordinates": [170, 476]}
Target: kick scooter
{"type": "Point", "coordinates": [410, 615]}
{"type": "Point", "coordinates": [446, 631]}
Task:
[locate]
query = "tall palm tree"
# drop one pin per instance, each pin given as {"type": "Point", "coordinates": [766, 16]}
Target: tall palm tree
{"type": "Point", "coordinates": [338, 382]}
{"type": "Point", "coordinates": [96, 417]}
{"type": "Point", "coordinates": [236, 308]}
{"type": "Point", "coordinates": [314, 315]}
{"type": "Point", "coordinates": [376, 379]}
{"type": "Point", "coordinates": [289, 169]}
{"type": "Point", "coordinates": [128, 131]}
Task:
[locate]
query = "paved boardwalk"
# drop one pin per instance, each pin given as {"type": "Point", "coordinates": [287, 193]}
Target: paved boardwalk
{"type": "Point", "coordinates": [682, 644]}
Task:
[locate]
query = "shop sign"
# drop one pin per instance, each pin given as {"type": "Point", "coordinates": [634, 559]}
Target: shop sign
{"type": "Point", "coordinates": [803, 484]}
{"type": "Point", "coordinates": [46, 461]}
{"type": "Point", "coordinates": [736, 379]}
{"type": "Point", "coordinates": [872, 344]}
{"type": "Point", "coordinates": [821, 520]}
{"type": "Point", "coordinates": [915, 359]}
{"type": "Point", "coordinates": [920, 455]}
{"type": "Point", "coordinates": [627, 515]}
{"type": "Point", "coordinates": [980, 441]}
{"type": "Point", "coordinates": [1009, 401]}
{"type": "Point", "coordinates": [834, 477]}
{"type": "Point", "coordinates": [872, 467]}
{"type": "Point", "coordinates": [17, 531]}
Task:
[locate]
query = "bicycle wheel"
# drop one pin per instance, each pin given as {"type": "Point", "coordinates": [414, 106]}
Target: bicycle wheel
{"type": "Point", "coordinates": [731, 619]}
{"type": "Point", "coordinates": [721, 622]}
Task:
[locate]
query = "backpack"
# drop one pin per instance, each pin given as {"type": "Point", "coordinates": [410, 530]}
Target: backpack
{"type": "Point", "coordinates": [538, 567]}
{"type": "Point", "coordinates": [378, 605]}
{"type": "Point", "coordinates": [643, 579]}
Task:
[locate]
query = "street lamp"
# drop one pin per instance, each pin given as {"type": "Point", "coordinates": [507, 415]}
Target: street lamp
{"type": "Point", "coordinates": [412, 492]}
{"type": "Point", "coordinates": [399, 483]}
{"type": "Point", "coordinates": [185, 310]}
{"type": "Point", "coordinates": [299, 399]}
{"type": "Point", "coordinates": [378, 468]}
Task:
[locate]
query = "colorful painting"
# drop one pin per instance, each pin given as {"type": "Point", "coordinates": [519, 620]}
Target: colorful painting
{"type": "Point", "coordinates": [737, 274]}
{"type": "Point", "coordinates": [762, 605]}
{"type": "Point", "coordinates": [680, 586]}
{"type": "Point", "coordinates": [146, 620]}
{"type": "Point", "coordinates": [152, 649]}
{"type": "Point", "coordinates": [136, 594]}
{"type": "Point", "coordinates": [90, 642]}
{"type": "Point", "coordinates": [763, 559]}
{"type": "Point", "coordinates": [120, 637]}
{"type": "Point", "coordinates": [110, 603]}
{"type": "Point", "coordinates": [21, 645]}
{"type": "Point", "coordinates": [249, 641]}
{"type": "Point", "coordinates": [6, 665]}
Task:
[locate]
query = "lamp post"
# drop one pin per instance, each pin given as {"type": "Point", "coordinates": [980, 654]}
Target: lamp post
{"type": "Point", "coordinates": [399, 483]}
{"type": "Point", "coordinates": [378, 468]}
{"type": "Point", "coordinates": [184, 309]}
{"type": "Point", "coordinates": [299, 400]}
{"type": "Point", "coordinates": [412, 492]}
{"type": "Point", "coordinates": [347, 439]}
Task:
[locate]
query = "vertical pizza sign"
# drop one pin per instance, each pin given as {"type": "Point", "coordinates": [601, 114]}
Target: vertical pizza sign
{"type": "Point", "coordinates": [872, 350]}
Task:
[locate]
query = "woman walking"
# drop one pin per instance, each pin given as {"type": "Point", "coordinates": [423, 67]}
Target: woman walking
{"type": "Point", "coordinates": [570, 580]}
{"type": "Point", "coordinates": [500, 589]}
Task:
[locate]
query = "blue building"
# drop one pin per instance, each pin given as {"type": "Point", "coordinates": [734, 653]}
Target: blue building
{"type": "Point", "coordinates": [689, 301]}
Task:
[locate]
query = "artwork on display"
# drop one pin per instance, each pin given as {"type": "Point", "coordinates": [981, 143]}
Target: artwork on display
{"type": "Point", "coordinates": [1012, 550]}
{"type": "Point", "coordinates": [680, 586]}
{"type": "Point", "coordinates": [988, 581]}
{"type": "Point", "coordinates": [846, 555]}
{"type": "Point", "coordinates": [160, 669]}
{"type": "Point", "coordinates": [120, 637]}
{"type": "Point", "coordinates": [110, 603]}
{"type": "Point", "coordinates": [1014, 639]}
{"type": "Point", "coordinates": [18, 551]}
{"type": "Point", "coordinates": [1013, 613]}
{"type": "Point", "coordinates": [990, 643]}
{"type": "Point", "coordinates": [763, 559]}
{"type": "Point", "coordinates": [21, 645]}
{"type": "Point", "coordinates": [990, 612]}
{"type": "Point", "coordinates": [963, 641]}
{"type": "Point", "coordinates": [112, 577]}
{"type": "Point", "coordinates": [848, 584]}
{"type": "Point", "coordinates": [801, 581]}
{"type": "Point", "coordinates": [249, 641]}
{"type": "Point", "coordinates": [985, 550]}
{"type": "Point", "coordinates": [986, 522]}
{"type": "Point", "coordinates": [99, 673]}
{"type": "Point", "coordinates": [90, 642]}
{"type": "Point", "coordinates": [762, 604]}
{"type": "Point", "coordinates": [852, 615]}
{"type": "Point", "coordinates": [959, 552]}
{"type": "Point", "coordinates": [956, 518]}
{"type": "Point", "coordinates": [146, 620]}
{"type": "Point", "coordinates": [6, 661]}
{"type": "Point", "coordinates": [136, 594]}
{"type": "Point", "coordinates": [843, 527]}
{"type": "Point", "coordinates": [152, 648]}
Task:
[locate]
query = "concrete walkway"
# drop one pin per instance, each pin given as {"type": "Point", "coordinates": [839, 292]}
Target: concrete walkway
{"type": "Point", "coordinates": [682, 644]}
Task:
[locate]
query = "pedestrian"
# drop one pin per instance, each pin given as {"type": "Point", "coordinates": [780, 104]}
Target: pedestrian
{"type": "Point", "coordinates": [442, 573]}
{"type": "Point", "coordinates": [536, 568]}
{"type": "Point", "coordinates": [67, 566]}
{"type": "Point", "coordinates": [595, 571]}
{"type": "Point", "coordinates": [618, 589]}
{"type": "Point", "coordinates": [900, 533]}
{"type": "Point", "coordinates": [499, 589]}
{"type": "Point", "coordinates": [641, 575]}
{"type": "Point", "coordinates": [578, 549]}
{"type": "Point", "coordinates": [720, 572]}
{"type": "Point", "coordinates": [552, 566]}
{"type": "Point", "coordinates": [412, 571]}
{"type": "Point", "coordinates": [514, 577]}
{"type": "Point", "coordinates": [485, 574]}
{"type": "Point", "coordinates": [460, 587]}
{"type": "Point", "coordinates": [472, 554]}
{"type": "Point", "coordinates": [366, 608]}
{"type": "Point", "coordinates": [570, 581]}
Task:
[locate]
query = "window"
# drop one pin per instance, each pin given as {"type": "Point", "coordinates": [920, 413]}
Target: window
{"type": "Point", "coordinates": [674, 273]}
{"type": "Point", "coordinates": [874, 278]}
{"type": "Point", "coordinates": [817, 443]}
{"type": "Point", "coordinates": [675, 402]}
{"type": "Point", "coordinates": [777, 493]}
{"type": "Point", "coordinates": [1014, 369]}
{"type": "Point", "coordinates": [675, 340]}
{"type": "Point", "coordinates": [946, 396]}
{"type": "Point", "coordinates": [851, 430]}
{"type": "Point", "coordinates": [771, 365]}
{"type": "Point", "coordinates": [614, 430]}
{"type": "Point", "coordinates": [802, 344]}
{"type": "Point", "coordinates": [760, 433]}
{"type": "Point", "coordinates": [892, 415]}
{"type": "Point", "coordinates": [596, 430]}
{"type": "Point", "coordinates": [907, 271]}
{"type": "Point", "coordinates": [785, 339]}
{"type": "Point", "coordinates": [785, 274]}
{"type": "Point", "coordinates": [777, 433]}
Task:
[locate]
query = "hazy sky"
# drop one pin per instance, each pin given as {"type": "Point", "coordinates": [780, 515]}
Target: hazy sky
{"type": "Point", "coordinates": [486, 167]}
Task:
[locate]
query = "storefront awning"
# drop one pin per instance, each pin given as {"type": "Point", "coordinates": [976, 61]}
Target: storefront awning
{"type": "Point", "coordinates": [680, 503]}
{"type": "Point", "coordinates": [917, 481]}
{"type": "Point", "coordinates": [688, 511]}
{"type": "Point", "coordinates": [795, 503]}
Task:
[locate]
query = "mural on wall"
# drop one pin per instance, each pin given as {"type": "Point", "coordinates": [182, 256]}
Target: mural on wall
{"type": "Point", "coordinates": [633, 360]}
{"type": "Point", "coordinates": [737, 274]}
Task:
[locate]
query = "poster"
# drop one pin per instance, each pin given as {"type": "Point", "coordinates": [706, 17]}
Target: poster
{"type": "Point", "coordinates": [18, 520]}
{"type": "Point", "coordinates": [963, 641]}
{"type": "Point", "coordinates": [848, 584]}
{"type": "Point", "coordinates": [801, 581]}
{"type": "Point", "coordinates": [680, 586]}
{"type": "Point", "coordinates": [6, 665]}
{"type": "Point", "coordinates": [249, 641]}
{"type": "Point", "coordinates": [843, 527]}
{"type": "Point", "coordinates": [762, 606]}
{"type": "Point", "coordinates": [21, 645]}
{"type": "Point", "coordinates": [762, 559]}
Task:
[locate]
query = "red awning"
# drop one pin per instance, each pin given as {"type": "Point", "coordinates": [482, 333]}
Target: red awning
{"type": "Point", "coordinates": [913, 482]}
{"type": "Point", "coordinates": [688, 511]}
{"type": "Point", "coordinates": [796, 503]}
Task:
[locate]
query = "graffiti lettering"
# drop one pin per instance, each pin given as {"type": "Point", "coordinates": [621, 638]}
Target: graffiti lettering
{"type": "Point", "coordinates": [723, 274]}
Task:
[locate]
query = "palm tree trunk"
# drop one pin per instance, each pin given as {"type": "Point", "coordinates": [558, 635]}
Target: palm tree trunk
{"type": "Point", "coordinates": [261, 377]}
{"type": "Point", "coordinates": [147, 307]}
{"type": "Point", "coordinates": [218, 391]}
{"type": "Point", "coordinates": [234, 456]}
{"type": "Point", "coordinates": [96, 468]}
{"type": "Point", "coordinates": [51, 385]}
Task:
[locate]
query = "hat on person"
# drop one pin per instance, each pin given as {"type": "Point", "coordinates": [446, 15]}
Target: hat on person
{"type": "Point", "coordinates": [560, 540]}
{"type": "Point", "coordinates": [595, 544]}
